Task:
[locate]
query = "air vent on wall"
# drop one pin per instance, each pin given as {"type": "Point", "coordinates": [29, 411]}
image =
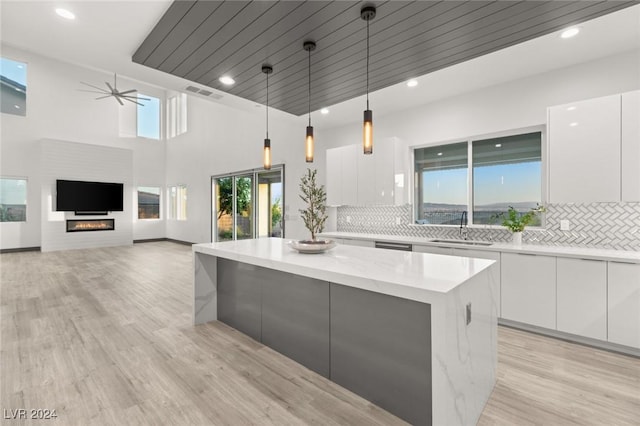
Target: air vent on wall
{"type": "Point", "coordinates": [203, 92]}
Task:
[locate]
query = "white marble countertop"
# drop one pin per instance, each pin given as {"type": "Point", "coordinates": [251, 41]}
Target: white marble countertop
{"type": "Point", "coordinates": [576, 252]}
{"type": "Point", "coordinates": [415, 276]}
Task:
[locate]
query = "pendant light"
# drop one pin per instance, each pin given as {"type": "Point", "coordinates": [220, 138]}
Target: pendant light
{"type": "Point", "coordinates": [308, 145]}
{"type": "Point", "coordinates": [367, 13]}
{"type": "Point", "coordinates": [267, 69]}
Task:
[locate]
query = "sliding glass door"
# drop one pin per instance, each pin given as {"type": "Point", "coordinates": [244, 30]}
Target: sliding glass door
{"type": "Point", "coordinates": [248, 204]}
{"type": "Point", "coordinates": [243, 206]}
{"type": "Point", "coordinates": [269, 202]}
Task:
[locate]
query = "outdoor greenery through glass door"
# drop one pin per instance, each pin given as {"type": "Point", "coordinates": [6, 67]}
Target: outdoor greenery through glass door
{"type": "Point", "coordinates": [248, 204]}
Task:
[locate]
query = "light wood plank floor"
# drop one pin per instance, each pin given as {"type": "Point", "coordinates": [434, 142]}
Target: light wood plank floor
{"type": "Point", "coordinates": [104, 336]}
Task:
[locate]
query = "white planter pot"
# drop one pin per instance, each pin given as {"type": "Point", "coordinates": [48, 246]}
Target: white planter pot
{"type": "Point", "coordinates": [517, 238]}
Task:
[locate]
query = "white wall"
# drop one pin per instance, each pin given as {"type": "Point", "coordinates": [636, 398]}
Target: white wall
{"type": "Point", "coordinates": [225, 140]}
{"type": "Point", "coordinates": [513, 105]}
{"type": "Point", "coordinates": [56, 109]}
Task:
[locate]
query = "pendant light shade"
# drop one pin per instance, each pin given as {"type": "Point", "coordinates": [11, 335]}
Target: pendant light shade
{"type": "Point", "coordinates": [367, 13]}
{"type": "Point", "coordinates": [267, 69]}
{"type": "Point", "coordinates": [308, 143]}
{"type": "Point", "coordinates": [267, 154]}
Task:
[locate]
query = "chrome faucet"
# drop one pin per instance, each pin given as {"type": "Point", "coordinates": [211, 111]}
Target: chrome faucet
{"type": "Point", "coordinates": [464, 231]}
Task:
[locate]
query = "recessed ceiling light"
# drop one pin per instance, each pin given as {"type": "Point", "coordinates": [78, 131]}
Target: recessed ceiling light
{"type": "Point", "coordinates": [571, 108]}
{"type": "Point", "coordinates": [324, 111]}
{"type": "Point", "coordinates": [570, 32]}
{"type": "Point", "coordinates": [226, 80]}
{"type": "Point", "coordinates": [65, 13]}
{"type": "Point", "coordinates": [439, 154]}
{"type": "Point", "coordinates": [498, 145]}
{"type": "Point", "coordinates": [412, 83]}
{"type": "Point", "coordinates": [574, 124]}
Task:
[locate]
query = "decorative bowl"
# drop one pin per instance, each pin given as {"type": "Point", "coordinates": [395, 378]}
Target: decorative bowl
{"type": "Point", "coordinates": [312, 247]}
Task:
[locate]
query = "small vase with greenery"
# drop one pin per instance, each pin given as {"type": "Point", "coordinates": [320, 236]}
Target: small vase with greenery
{"type": "Point", "coordinates": [315, 196]}
{"type": "Point", "coordinates": [516, 221]}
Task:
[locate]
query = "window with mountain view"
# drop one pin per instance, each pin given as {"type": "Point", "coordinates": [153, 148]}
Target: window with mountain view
{"type": "Point", "coordinates": [441, 187]}
{"type": "Point", "coordinates": [502, 171]}
{"type": "Point", "coordinates": [506, 172]}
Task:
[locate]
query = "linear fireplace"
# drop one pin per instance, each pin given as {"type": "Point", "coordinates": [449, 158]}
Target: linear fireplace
{"type": "Point", "coordinates": [84, 225]}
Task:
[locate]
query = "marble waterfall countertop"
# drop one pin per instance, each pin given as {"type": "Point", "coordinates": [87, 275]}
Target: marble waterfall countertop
{"type": "Point", "coordinates": [414, 276]}
{"type": "Point", "coordinates": [540, 249]}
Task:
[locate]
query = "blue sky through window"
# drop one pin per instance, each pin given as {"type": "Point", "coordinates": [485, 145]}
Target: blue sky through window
{"type": "Point", "coordinates": [507, 183]}
{"type": "Point", "coordinates": [149, 117]}
{"type": "Point", "coordinates": [13, 70]}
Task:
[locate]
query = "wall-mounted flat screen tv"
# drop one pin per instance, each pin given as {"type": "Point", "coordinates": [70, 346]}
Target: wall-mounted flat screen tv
{"type": "Point", "coordinates": [88, 197]}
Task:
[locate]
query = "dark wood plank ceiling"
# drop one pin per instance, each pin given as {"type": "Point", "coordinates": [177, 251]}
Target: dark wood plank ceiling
{"type": "Point", "coordinates": [203, 40]}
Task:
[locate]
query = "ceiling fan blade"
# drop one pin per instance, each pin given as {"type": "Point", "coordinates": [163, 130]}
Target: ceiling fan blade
{"type": "Point", "coordinates": [95, 87]}
{"type": "Point", "coordinates": [128, 91]}
{"type": "Point", "coordinates": [119, 100]}
{"type": "Point", "coordinates": [95, 91]}
{"type": "Point", "coordinates": [115, 92]}
{"type": "Point", "coordinates": [132, 101]}
{"type": "Point", "coordinates": [134, 98]}
{"type": "Point", "coordinates": [104, 97]}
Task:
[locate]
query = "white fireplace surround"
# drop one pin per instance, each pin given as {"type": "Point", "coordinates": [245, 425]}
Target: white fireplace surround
{"type": "Point", "coordinates": [80, 161]}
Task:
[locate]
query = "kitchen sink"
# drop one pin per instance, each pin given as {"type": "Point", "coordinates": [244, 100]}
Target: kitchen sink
{"type": "Point", "coordinates": [463, 242]}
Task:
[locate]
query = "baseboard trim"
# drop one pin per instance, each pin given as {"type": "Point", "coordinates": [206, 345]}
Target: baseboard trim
{"type": "Point", "coordinates": [572, 338]}
{"type": "Point", "coordinates": [155, 240]}
{"type": "Point", "coordinates": [19, 249]}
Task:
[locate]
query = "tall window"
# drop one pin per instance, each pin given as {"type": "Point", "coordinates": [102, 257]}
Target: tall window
{"type": "Point", "coordinates": [13, 200]}
{"type": "Point", "coordinates": [13, 79]}
{"type": "Point", "coordinates": [506, 171]}
{"type": "Point", "coordinates": [178, 202]}
{"type": "Point", "coordinates": [148, 117]}
{"type": "Point", "coordinates": [441, 185]}
{"type": "Point", "coordinates": [148, 202]}
{"type": "Point", "coordinates": [176, 115]}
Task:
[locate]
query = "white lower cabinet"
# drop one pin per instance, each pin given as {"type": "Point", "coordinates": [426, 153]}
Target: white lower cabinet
{"type": "Point", "coordinates": [433, 249]}
{"type": "Point", "coordinates": [494, 273]}
{"type": "Point", "coordinates": [359, 243]}
{"type": "Point", "coordinates": [624, 303]}
{"type": "Point", "coordinates": [529, 289]}
{"type": "Point", "coordinates": [582, 297]}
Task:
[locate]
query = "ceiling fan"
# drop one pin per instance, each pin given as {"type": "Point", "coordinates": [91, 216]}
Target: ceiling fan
{"type": "Point", "coordinates": [127, 95]}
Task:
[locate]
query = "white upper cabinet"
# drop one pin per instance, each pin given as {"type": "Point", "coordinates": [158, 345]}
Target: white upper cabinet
{"type": "Point", "coordinates": [631, 146]}
{"type": "Point", "coordinates": [334, 176]}
{"type": "Point", "coordinates": [357, 179]}
{"type": "Point", "coordinates": [584, 151]}
{"type": "Point", "coordinates": [366, 167]}
{"type": "Point", "coordinates": [342, 177]}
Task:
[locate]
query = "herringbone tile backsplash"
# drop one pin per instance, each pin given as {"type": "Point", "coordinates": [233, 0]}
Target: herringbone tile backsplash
{"type": "Point", "coordinates": [601, 225]}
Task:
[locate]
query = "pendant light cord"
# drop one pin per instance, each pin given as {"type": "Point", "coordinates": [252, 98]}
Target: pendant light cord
{"type": "Point", "coordinates": [309, 87]}
{"type": "Point", "coordinates": [267, 105]}
{"type": "Point", "coordinates": [367, 64]}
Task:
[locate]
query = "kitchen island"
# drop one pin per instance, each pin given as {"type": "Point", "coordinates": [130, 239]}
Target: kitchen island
{"type": "Point", "coordinates": [414, 333]}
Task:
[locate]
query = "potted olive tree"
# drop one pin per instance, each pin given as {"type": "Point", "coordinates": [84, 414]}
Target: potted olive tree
{"type": "Point", "coordinates": [314, 216]}
{"type": "Point", "coordinates": [516, 221]}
